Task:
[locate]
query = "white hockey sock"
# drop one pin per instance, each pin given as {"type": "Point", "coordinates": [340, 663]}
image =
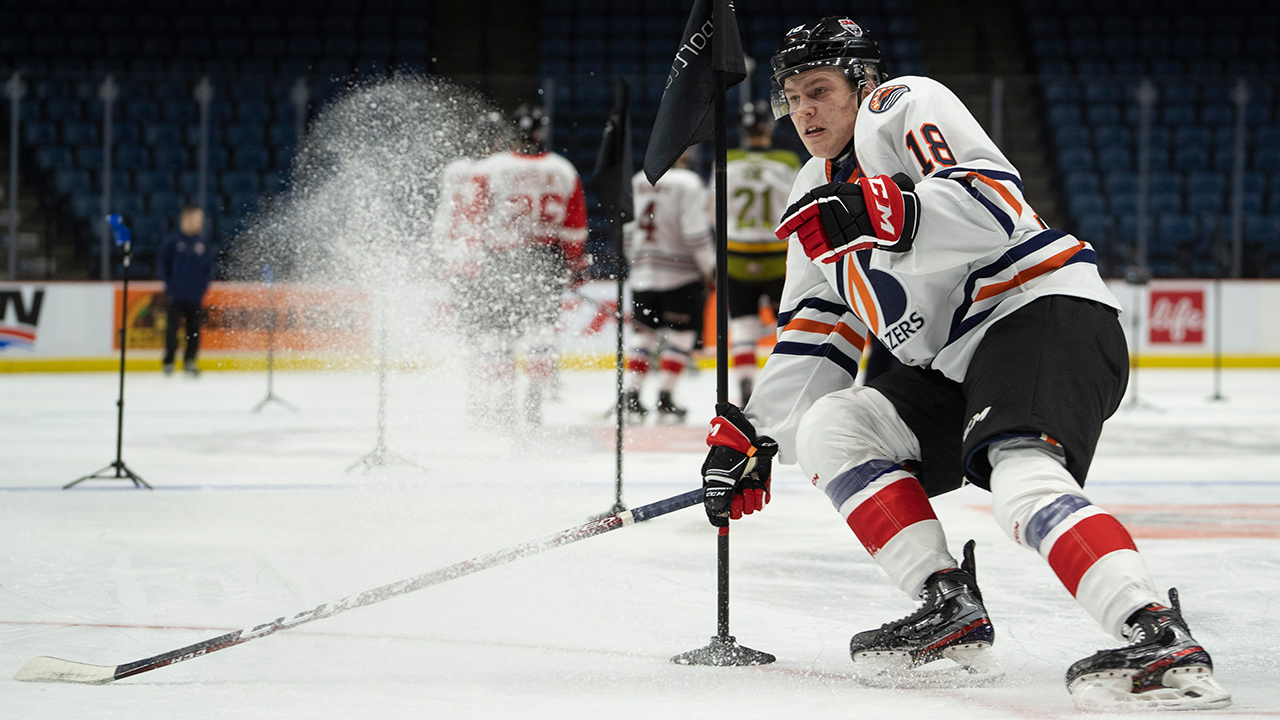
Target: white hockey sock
{"type": "Point", "coordinates": [1041, 507]}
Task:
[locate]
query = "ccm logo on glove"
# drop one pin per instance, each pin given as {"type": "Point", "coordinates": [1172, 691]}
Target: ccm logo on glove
{"type": "Point", "coordinates": [836, 219]}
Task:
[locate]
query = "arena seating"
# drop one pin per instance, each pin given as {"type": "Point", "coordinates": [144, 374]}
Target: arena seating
{"type": "Point", "coordinates": [1092, 57]}
{"type": "Point", "coordinates": [252, 50]}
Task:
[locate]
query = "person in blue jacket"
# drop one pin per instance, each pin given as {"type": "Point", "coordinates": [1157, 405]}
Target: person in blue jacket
{"type": "Point", "coordinates": [186, 267]}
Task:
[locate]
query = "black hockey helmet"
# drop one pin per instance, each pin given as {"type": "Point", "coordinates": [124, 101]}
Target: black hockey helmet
{"type": "Point", "coordinates": [829, 42]}
{"type": "Point", "coordinates": [531, 124]}
{"type": "Point", "coordinates": [756, 115]}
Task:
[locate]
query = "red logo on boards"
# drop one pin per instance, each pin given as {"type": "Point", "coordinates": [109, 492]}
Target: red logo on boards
{"type": "Point", "coordinates": [1177, 317]}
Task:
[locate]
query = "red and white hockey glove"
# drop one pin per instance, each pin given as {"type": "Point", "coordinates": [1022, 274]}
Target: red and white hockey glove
{"type": "Point", "coordinates": [738, 469]}
{"type": "Point", "coordinates": [836, 219]}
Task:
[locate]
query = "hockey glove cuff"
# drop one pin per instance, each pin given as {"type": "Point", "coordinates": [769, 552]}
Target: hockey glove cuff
{"type": "Point", "coordinates": [836, 219]}
{"type": "Point", "coordinates": [737, 473]}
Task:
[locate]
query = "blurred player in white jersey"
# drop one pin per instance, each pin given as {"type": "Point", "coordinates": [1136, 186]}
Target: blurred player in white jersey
{"type": "Point", "coordinates": [758, 180]}
{"type": "Point", "coordinates": [531, 247]}
{"type": "Point", "coordinates": [910, 225]}
{"type": "Point", "coordinates": [672, 258]}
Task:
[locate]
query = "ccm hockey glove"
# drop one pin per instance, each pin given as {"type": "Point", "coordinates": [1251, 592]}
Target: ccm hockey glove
{"type": "Point", "coordinates": [738, 469]}
{"type": "Point", "coordinates": [836, 219]}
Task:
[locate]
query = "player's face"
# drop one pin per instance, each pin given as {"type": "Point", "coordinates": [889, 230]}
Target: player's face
{"type": "Point", "coordinates": [824, 107]}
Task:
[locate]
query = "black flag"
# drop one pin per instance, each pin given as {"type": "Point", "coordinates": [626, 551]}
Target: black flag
{"type": "Point", "coordinates": [685, 113]}
{"type": "Point", "coordinates": [611, 179]}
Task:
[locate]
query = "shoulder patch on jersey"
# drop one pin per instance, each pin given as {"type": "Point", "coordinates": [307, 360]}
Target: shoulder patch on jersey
{"type": "Point", "coordinates": [885, 96]}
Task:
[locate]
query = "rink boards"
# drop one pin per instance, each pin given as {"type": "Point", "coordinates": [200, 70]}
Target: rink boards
{"type": "Point", "coordinates": [69, 326]}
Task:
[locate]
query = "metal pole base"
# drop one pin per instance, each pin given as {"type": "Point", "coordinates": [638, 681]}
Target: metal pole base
{"type": "Point", "coordinates": [122, 472]}
{"type": "Point", "coordinates": [724, 651]}
{"type": "Point", "coordinates": [382, 457]}
{"type": "Point", "coordinates": [270, 398]}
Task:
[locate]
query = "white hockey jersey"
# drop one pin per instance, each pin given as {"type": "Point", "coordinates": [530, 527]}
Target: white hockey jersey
{"type": "Point", "coordinates": [669, 242]}
{"type": "Point", "coordinates": [534, 200]}
{"type": "Point", "coordinates": [461, 210]}
{"type": "Point", "coordinates": [757, 184]}
{"type": "Point", "coordinates": [979, 254]}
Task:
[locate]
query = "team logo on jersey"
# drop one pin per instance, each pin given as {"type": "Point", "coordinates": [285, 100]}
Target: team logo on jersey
{"type": "Point", "coordinates": [885, 96]}
{"type": "Point", "coordinates": [851, 26]}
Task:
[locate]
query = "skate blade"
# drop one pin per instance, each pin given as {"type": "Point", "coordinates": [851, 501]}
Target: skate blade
{"type": "Point", "coordinates": [967, 665]}
{"type": "Point", "coordinates": [1184, 688]}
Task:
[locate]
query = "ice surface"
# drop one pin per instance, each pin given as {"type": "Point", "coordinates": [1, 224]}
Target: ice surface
{"type": "Point", "coordinates": [255, 516]}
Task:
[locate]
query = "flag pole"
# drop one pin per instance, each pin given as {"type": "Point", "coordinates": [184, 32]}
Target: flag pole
{"type": "Point", "coordinates": [724, 649]}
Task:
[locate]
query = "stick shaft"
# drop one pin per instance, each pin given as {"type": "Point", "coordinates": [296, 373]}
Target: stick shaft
{"type": "Point", "coordinates": [402, 587]}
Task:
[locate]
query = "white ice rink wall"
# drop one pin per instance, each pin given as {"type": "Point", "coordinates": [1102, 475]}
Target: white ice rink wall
{"type": "Point", "coordinates": [64, 326]}
{"type": "Point", "coordinates": [68, 326]}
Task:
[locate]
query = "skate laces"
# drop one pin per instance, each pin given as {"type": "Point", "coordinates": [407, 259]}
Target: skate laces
{"type": "Point", "coordinates": [1146, 624]}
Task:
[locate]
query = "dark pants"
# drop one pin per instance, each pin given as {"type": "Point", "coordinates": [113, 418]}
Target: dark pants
{"type": "Point", "coordinates": [190, 315]}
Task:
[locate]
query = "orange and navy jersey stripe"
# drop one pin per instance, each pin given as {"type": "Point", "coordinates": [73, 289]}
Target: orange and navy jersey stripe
{"type": "Point", "coordinates": [817, 328]}
{"type": "Point", "coordinates": [1034, 257]}
{"type": "Point", "coordinates": [991, 189]}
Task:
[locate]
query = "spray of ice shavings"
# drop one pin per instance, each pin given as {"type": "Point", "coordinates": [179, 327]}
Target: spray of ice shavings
{"type": "Point", "coordinates": [364, 184]}
{"type": "Point", "coordinates": [361, 194]}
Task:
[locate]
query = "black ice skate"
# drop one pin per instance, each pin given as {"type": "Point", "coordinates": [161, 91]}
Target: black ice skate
{"type": "Point", "coordinates": [668, 411]}
{"type": "Point", "coordinates": [635, 412]}
{"type": "Point", "coordinates": [951, 625]}
{"type": "Point", "coordinates": [1162, 667]}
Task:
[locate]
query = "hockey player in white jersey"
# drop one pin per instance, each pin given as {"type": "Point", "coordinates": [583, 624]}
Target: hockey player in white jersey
{"type": "Point", "coordinates": [758, 179]}
{"type": "Point", "coordinates": [672, 258]}
{"type": "Point", "coordinates": [910, 224]}
{"type": "Point", "coordinates": [532, 246]}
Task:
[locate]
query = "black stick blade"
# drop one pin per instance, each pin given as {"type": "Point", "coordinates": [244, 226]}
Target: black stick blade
{"type": "Point", "coordinates": [724, 651]}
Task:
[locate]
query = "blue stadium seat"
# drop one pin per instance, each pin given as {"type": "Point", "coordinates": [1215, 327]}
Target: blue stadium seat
{"type": "Point", "coordinates": [282, 158]}
{"type": "Point", "coordinates": [238, 181]}
{"type": "Point", "coordinates": [243, 204]}
{"type": "Point", "coordinates": [127, 204]}
{"type": "Point", "coordinates": [251, 157]}
{"type": "Point", "coordinates": [131, 157]}
{"type": "Point", "coordinates": [1164, 202]}
{"type": "Point", "coordinates": [165, 203]}
{"type": "Point", "coordinates": [78, 133]}
{"type": "Point", "coordinates": [171, 157]}
{"type": "Point", "coordinates": [181, 112]}
{"type": "Point", "coordinates": [282, 133]}
{"type": "Point", "coordinates": [162, 134]}
{"type": "Point", "coordinates": [1086, 204]}
{"type": "Point", "coordinates": [1217, 115]}
{"type": "Point", "coordinates": [1065, 114]}
{"type": "Point", "coordinates": [1082, 182]}
{"type": "Point", "coordinates": [1109, 135]}
{"type": "Point", "coordinates": [1262, 229]}
{"type": "Point", "coordinates": [1094, 229]}
{"type": "Point", "coordinates": [1191, 158]}
{"type": "Point", "coordinates": [1204, 201]}
{"type": "Point", "coordinates": [245, 134]}
{"type": "Point", "coordinates": [152, 181]}
{"type": "Point", "coordinates": [253, 112]}
{"type": "Point", "coordinates": [86, 205]}
{"type": "Point", "coordinates": [63, 109]}
{"type": "Point", "coordinates": [193, 136]}
{"type": "Point", "coordinates": [70, 181]}
{"type": "Point", "coordinates": [140, 109]}
{"type": "Point", "coordinates": [39, 133]}
{"type": "Point", "coordinates": [1115, 158]}
{"type": "Point", "coordinates": [1076, 159]}
{"type": "Point", "coordinates": [1176, 115]}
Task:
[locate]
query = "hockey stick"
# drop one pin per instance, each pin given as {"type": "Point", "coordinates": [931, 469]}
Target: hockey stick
{"type": "Point", "coordinates": [50, 669]}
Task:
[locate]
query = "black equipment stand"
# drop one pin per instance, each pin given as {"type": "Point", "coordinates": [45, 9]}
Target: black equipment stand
{"type": "Point", "coordinates": [724, 650]}
{"type": "Point", "coordinates": [271, 348]}
{"type": "Point", "coordinates": [118, 470]}
{"type": "Point", "coordinates": [380, 456]}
